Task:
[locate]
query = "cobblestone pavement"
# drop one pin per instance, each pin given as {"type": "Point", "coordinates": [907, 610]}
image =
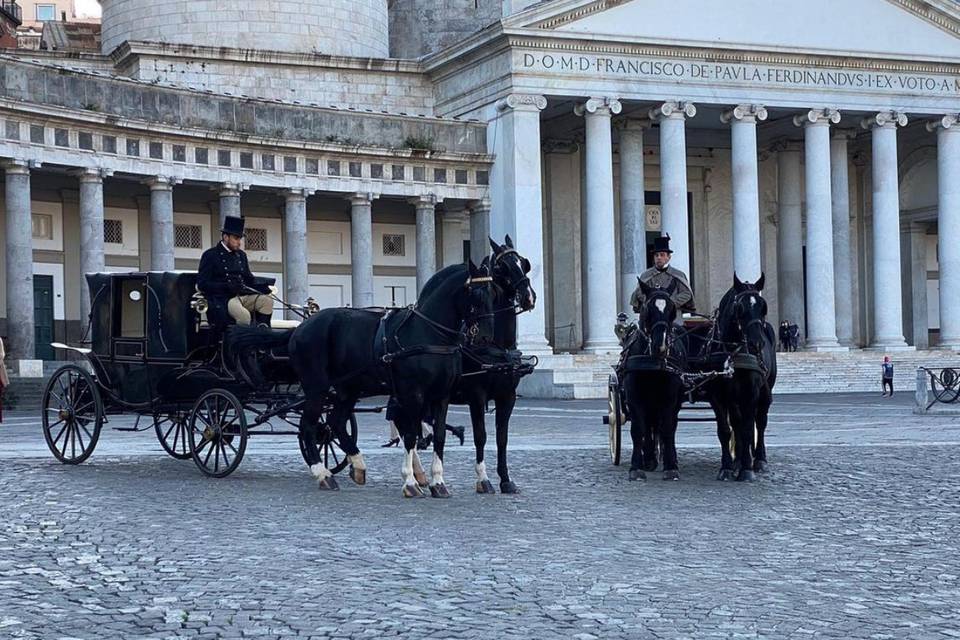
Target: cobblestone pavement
{"type": "Point", "coordinates": [853, 534]}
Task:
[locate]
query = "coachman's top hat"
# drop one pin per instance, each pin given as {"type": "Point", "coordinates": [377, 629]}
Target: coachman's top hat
{"type": "Point", "coordinates": [662, 244]}
{"type": "Point", "coordinates": [233, 225]}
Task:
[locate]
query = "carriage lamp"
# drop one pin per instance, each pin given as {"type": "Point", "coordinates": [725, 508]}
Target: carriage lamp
{"type": "Point", "coordinates": [311, 307]}
{"type": "Point", "coordinates": [199, 303]}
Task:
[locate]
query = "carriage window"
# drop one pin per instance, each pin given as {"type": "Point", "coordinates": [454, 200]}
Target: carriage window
{"type": "Point", "coordinates": [393, 245]}
{"type": "Point", "coordinates": [132, 308]}
{"type": "Point", "coordinates": [187, 236]}
{"type": "Point", "coordinates": [256, 239]}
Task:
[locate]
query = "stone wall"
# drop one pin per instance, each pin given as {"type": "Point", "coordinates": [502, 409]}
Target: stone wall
{"type": "Point", "coordinates": [419, 27]}
{"type": "Point", "coordinates": [340, 27]}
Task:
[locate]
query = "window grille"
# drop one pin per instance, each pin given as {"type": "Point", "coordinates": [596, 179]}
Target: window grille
{"type": "Point", "coordinates": [113, 231]}
{"type": "Point", "coordinates": [393, 245]}
{"type": "Point", "coordinates": [255, 240]}
{"type": "Point", "coordinates": [187, 236]}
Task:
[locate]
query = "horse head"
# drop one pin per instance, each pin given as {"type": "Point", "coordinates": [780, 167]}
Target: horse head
{"type": "Point", "coordinates": [475, 303]}
{"type": "Point", "coordinates": [750, 312]}
{"type": "Point", "coordinates": [657, 317]}
{"type": "Point", "coordinates": [510, 270]}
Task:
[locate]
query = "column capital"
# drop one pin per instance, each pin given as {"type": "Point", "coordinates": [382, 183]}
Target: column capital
{"type": "Point", "coordinates": [162, 183]}
{"type": "Point", "coordinates": [92, 174]}
{"type": "Point", "coordinates": [479, 206]}
{"type": "Point", "coordinates": [296, 194]}
{"type": "Point", "coordinates": [785, 144]}
{"type": "Point", "coordinates": [632, 124]}
{"type": "Point", "coordinates": [230, 188]}
{"type": "Point", "coordinates": [843, 134]}
{"type": "Point", "coordinates": [362, 198]}
{"type": "Point", "coordinates": [744, 113]}
{"type": "Point", "coordinates": [674, 109]}
{"type": "Point", "coordinates": [17, 166]}
{"type": "Point", "coordinates": [885, 120]}
{"type": "Point", "coordinates": [600, 105]}
{"type": "Point", "coordinates": [555, 145]}
{"type": "Point", "coordinates": [946, 122]}
{"type": "Point", "coordinates": [817, 117]}
{"type": "Point", "coordinates": [426, 200]}
{"type": "Point", "coordinates": [522, 102]}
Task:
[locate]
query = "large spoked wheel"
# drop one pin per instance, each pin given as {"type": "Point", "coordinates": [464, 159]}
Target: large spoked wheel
{"type": "Point", "coordinates": [218, 433]}
{"type": "Point", "coordinates": [172, 432]}
{"type": "Point", "coordinates": [615, 417]}
{"type": "Point", "coordinates": [332, 454]}
{"type": "Point", "coordinates": [72, 414]}
{"type": "Point", "coordinates": [947, 388]}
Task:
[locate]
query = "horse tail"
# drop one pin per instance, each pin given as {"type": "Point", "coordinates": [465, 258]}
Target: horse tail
{"type": "Point", "coordinates": [241, 338]}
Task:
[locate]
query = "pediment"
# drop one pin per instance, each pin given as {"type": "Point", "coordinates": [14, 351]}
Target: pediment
{"type": "Point", "coordinates": [921, 29]}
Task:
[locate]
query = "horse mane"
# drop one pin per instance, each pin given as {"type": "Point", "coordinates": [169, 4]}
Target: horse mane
{"type": "Point", "coordinates": [440, 278]}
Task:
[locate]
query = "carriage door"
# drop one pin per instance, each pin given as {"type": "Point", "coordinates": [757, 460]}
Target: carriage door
{"type": "Point", "coordinates": [43, 317]}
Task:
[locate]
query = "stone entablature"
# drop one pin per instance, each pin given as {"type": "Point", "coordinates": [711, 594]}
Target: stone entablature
{"type": "Point", "coordinates": [126, 98]}
{"type": "Point", "coordinates": [52, 135]}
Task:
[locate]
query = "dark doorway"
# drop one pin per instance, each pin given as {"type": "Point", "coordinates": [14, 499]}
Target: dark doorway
{"type": "Point", "coordinates": [43, 316]}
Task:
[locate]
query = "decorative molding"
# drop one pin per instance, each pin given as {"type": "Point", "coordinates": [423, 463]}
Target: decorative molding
{"type": "Point", "coordinates": [573, 15]}
{"type": "Point", "coordinates": [522, 102]}
{"type": "Point", "coordinates": [886, 120]}
{"type": "Point", "coordinates": [362, 198]}
{"type": "Point", "coordinates": [555, 145]}
{"type": "Point", "coordinates": [628, 123]}
{"type": "Point", "coordinates": [425, 200]}
{"type": "Point", "coordinates": [92, 174]}
{"type": "Point", "coordinates": [843, 134]}
{"type": "Point", "coordinates": [931, 14]}
{"type": "Point", "coordinates": [817, 117]}
{"type": "Point", "coordinates": [594, 105]}
{"type": "Point", "coordinates": [786, 144]}
{"type": "Point", "coordinates": [161, 183]}
{"type": "Point", "coordinates": [946, 122]}
{"type": "Point", "coordinates": [676, 109]}
{"type": "Point", "coordinates": [296, 194]}
{"type": "Point", "coordinates": [744, 112]}
{"type": "Point", "coordinates": [479, 206]}
{"type": "Point", "coordinates": [17, 166]}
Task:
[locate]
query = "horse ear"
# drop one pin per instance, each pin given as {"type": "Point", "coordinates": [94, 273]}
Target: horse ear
{"type": "Point", "coordinates": [494, 245]}
{"type": "Point", "coordinates": [485, 264]}
{"type": "Point", "coordinates": [759, 285]}
{"type": "Point", "coordinates": [472, 268]}
{"type": "Point", "coordinates": [645, 288]}
{"type": "Point", "coordinates": [508, 241]}
{"type": "Point", "coordinates": [736, 282]}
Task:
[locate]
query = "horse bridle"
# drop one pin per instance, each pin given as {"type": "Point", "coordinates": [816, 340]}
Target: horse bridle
{"type": "Point", "coordinates": [515, 284]}
{"type": "Point", "coordinates": [648, 333]}
{"type": "Point", "coordinates": [470, 328]}
{"type": "Point", "coordinates": [737, 301]}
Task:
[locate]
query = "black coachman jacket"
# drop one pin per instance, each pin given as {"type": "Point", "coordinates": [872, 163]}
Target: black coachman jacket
{"type": "Point", "coordinates": [223, 275]}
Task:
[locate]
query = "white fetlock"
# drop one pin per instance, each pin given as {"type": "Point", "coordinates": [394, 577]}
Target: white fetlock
{"type": "Point", "coordinates": [320, 472]}
{"type": "Point", "coordinates": [436, 471]}
{"type": "Point", "coordinates": [482, 472]}
{"type": "Point", "coordinates": [357, 462]}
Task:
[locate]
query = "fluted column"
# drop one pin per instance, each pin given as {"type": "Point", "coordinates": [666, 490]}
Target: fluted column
{"type": "Point", "coordinates": [516, 199]}
{"type": "Point", "coordinates": [600, 265]}
{"type": "Point", "coordinates": [230, 200]}
{"type": "Point", "coordinates": [746, 189]}
{"type": "Point", "coordinates": [887, 308]}
{"type": "Point", "coordinates": [296, 280]}
{"type": "Point", "coordinates": [161, 223]}
{"type": "Point", "coordinates": [948, 225]}
{"type": "Point", "coordinates": [842, 265]}
{"type": "Point", "coordinates": [426, 207]}
{"type": "Point", "coordinates": [821, 308]}
{"type": "Point", "coordinates": [361, 249]}
{"type": "Point", "coordinates": [633, 239]}
{"type": "Point", "coordinates": [790, 235]}
{"type": "Point", "coordinates": [479, 212]}
{"type": "Point", "coordinates": [91, 233]}
{"type": "Point", "coordinates": [19, 256]}
{"type": "Point", "coordinates": [673, 177]}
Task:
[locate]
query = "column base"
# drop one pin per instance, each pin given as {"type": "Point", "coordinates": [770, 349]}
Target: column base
{"type": "Point", "coordinates": [826, 346]}
{"type": "Point", "coordinates": [949, 345]}
{"type": "Point", "coordinates": [602, 347]}
{"type": "Point", "coordinates": [534, 346]}
{"type": "Point", "coordinates": [26, 368]}
{"type": "Point", "coordinates": [893, 345]}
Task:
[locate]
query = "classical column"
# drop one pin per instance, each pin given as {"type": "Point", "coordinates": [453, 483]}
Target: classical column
{"type": "Point", "coordinates": [887, 309]}
{"type": "Point", "coordinates": [230, 200]}
{"type": "Point", "coordinates": [821, 314]}
{"type": "Point", "coordinates": [296, 281]}
{"type": "Point", "coordinates": [161, 223]}
{"type": "Point", "coordinates": [948, 227]}
{"type": "Point", "coordinates": [790, 235]}
{"type": "Point", "coordinates": [426, 207]}
{"type": "Point", "coordinates": [599, 255]}
{"type": "Point", "coordinates": [479, 212]}
{"type": "Point", "coordinates": [673, 177]}
{"type": "Point", "coordinates": [633, 239]}
{"type": "Point", "coordinates": [516, 199]}
{"type": "Point", "coordinates": [91, 233]}
{"type": "Point", "coordinates": [913, 254]}
{"type": "Point", "coordinates": [361, 249]}
{"type": "Point", "coordinates": [19, 255]}
{"type": "Point", "coordinates": [842, 263]}
{"type": "Point", "coordinates": [746, 189]}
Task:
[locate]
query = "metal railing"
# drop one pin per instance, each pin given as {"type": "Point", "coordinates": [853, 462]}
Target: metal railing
{"type": "Point", "coordinates": [944, 386]}
{"type": "Point", "coordinates": [12, 9]}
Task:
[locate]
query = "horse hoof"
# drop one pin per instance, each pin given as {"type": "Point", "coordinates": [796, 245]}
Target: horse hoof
{"type": "Point", "coordinates": [359, 476]}
{"type": "Point", "coordinates": [329, 484]}
{"type": "Point", "coordinates": [636, 474]}
{"type": "Point", "coordinates": [439, 491]}
{"type": "Point", "coordinates": [745, 475]}
{"type": "Point", "coordinates": [421, 478]}
{"type": "Point", "coordinates": [725, 474]}
{"type": "Point", "coordinates": [509, 487]}
{"type": "Point", "coordinates": [671, 474]}
{"type": "Point", "coordinates": [760, 466]}
{"type": "Point", "coordinates": [485, 486]}
{"type": "Point", "coordinates": [412, 491]}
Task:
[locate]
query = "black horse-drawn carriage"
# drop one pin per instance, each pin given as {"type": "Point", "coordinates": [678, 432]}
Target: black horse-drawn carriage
{"type": "Point", "coordinates": [151, 353]}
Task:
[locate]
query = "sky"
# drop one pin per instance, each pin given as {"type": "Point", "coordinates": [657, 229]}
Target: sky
{"type": "Point", "coordinates": [88, 8]}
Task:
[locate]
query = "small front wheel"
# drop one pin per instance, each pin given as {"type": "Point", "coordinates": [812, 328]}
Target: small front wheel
{"type": "Point", "coordinates": [72, 414]}
{"type": "Point", "coordinates": [615, 418]}
{"type": "Point", "coordinates": [172, 433]}
{"type": "Point", "coordinates": [218, 433]}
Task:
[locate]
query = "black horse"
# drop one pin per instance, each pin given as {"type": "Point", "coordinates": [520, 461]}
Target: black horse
{"type": "Point", "coordinates": [412, 354]}
{"type": "Point", "coordinates": [742, 403]}
{"type": "Point", "coordinates": [653, 360]}
{"type": "Point", "coordinates": [493, 372]}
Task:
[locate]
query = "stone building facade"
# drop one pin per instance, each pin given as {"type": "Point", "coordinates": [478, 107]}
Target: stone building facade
{"type": "Point", "coordinates": [821, 156]}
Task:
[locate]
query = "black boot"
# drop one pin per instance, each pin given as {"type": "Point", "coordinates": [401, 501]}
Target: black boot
{"type": "Point", "coordinates": [261, 319]}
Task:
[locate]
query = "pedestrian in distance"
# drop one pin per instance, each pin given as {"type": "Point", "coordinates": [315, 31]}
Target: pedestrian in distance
{"type": "Point", "coordinates": [887, 379]}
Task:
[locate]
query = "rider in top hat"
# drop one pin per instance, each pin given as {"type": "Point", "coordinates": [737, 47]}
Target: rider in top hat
{"type": "Point", "coordinates": [660, 275]}
{"type": "Point", "coordinates": [224, 278]}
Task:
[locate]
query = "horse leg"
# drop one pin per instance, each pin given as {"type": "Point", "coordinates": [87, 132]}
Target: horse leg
{"type": "Point", "coordinates": [418, 473]}
{"type": "Point", "coordinates": [763, 410]}
{"type": "Point", "coordinates": [668, 436]}
{"type": "Point", "coordinates": [310, 431]}
{"type": "Point", "coordinates": [505, 403]}
{"type": "Point", "coordinates": [744, 420]}
{"type": "Point", "coordinates": [723, 435]}
{"type": "Point", "coordinates": [438, 489]}
{"type": "Point", "coordinates": [480, 441]}
{"type": "Point", "coordinates": [409, 429]}
{"type": "Point", "coordinates": [338, 418]}
{"type": "Point", "coordinates": [638, 435]}
{"type": "Point", "coordinates": [651, 434]}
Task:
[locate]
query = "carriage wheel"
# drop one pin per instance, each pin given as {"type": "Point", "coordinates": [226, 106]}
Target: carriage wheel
{"type": "Point", "coordinates": [218, 433]}
{"type": "Point", "coordinates": [172, 432]}
{"type": "Point", "coordinates": [615, 418]}
{"type": "Point", "coordinates": [331, 453]}
{"type": "Point", "coordinates": [72, 414]}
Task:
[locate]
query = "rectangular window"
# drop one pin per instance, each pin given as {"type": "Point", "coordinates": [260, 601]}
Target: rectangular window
{"type": "Point", "coordinates": [268, 162]}
{"type": "Point", "coordinates": [313, 166]}
{"type": "Point", "coordinates": [133, 147]}
{"type": "Point", "coordinates": [376, 171]}
{"type": "Point", "coordinates": [440, 175]}
{"type": "Point", "coordinates": [109, 144]}
{"type": "Point", "coordinates": [397, 172]}
{"type": "Point", "coordinates": [333, 167]}
{"type": "Point", "coordinates": [223, 158]}
{"type": "Point", "coordinates": [246, 160]}
{"type": "Point", "coordinates": [42, 226]}
{"type": "Point", "coordinates": [85, 140]}
{"type": "Point", "coordinates": [188, 236]}
{"type": "Point", "coordinates": [13, 130]}
{"type": "Point", "coordinates": [61, 137]}
{"type": "Point", "coordinates": [179, 153]}
{"type": "Point", "coordinates": [113, 231]}
{"type": "Point", "coordinates": [156, 150]}
{"type": "Point", "coordinates": [461, 176]}
{"type": "Point", "coordinates": [354, 169]}
{"type": "Point", "coordinates": [393, 245]}
{"type": "Point", "coordinates": [483, 177]}
{"type": "Point", "coordinates": [36, 133]}
{"type": "Point", "coordinates": [256, 239]}
{"type": "Point", "coordinates": [201, 155]}
{"type": "Point", "coordinates": [289, 164]}
{"type": "Point", "coordinates": [419, 174]}
{"type": "Point", "coordinates": [46, 12]}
